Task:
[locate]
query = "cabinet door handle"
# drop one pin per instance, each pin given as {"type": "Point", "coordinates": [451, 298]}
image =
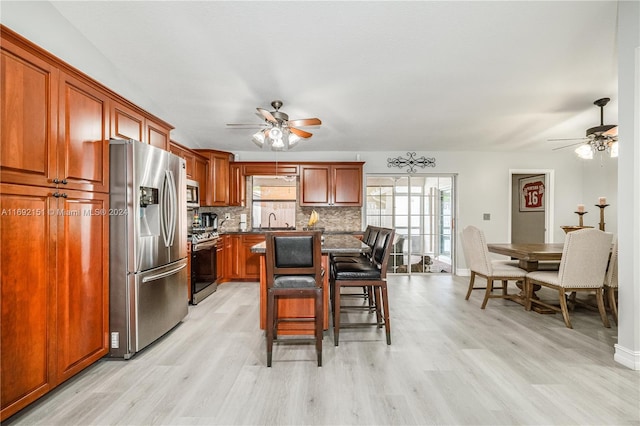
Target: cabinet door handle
{"type": "Point", "coordinates": [57, 181]}
{"type": "Point", "coordinates": [56, 194]}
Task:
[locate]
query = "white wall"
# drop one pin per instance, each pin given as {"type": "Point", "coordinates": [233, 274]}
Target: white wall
{"type": "Point", "coordinates": [483, 183]}
{"type": "Point", "coordinates": [627, 350]}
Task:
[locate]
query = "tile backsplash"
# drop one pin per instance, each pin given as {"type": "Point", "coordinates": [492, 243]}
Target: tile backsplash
{"type": "Point", "coordinates": [347, 219]}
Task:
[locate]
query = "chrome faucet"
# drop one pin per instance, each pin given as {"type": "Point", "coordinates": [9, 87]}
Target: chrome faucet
{"type": "Point", "coordinates": [274, 218]}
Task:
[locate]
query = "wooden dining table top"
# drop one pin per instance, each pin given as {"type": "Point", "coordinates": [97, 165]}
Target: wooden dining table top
{"type": "Point", "coordinates": [529, 251]}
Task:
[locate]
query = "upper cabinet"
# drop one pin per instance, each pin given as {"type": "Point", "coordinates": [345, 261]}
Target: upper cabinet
{"type": "Point", "coordinates": [126, 123]}
{"type": "Point", "coordinates": [197, 165]}
{"type": "Point", "coordinates": [54, 125]}
{"type": "Point", "coordinates": [186, 154]}
{"type": "Point", "coordinates": [236, 185]}
{"type": "Point", "coordinates": [83, 146]}
{"type": "Point", "coordinates": [129, 123]}
{"type": "Point", "coordinates": [29, 88]}
{"type": "Point", "coordinates": [157, 135]}
{"type": "Point", "coordinates": [337, 184]}
{"type": "Point", "coordinates": [217, 186]}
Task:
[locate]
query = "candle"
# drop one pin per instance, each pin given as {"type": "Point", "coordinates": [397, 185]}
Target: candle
{"type": "Point", "coordinates": [580, 208]}
{"type": "Point", "coordinates": [602, 201]}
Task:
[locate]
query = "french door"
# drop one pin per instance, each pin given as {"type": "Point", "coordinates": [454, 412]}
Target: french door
{"type": "Point", "coordinates": [421, 209]}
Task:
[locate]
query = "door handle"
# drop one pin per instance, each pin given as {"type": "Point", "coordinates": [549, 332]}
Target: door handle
{"type": "Point", "coordinates": [163, 274]}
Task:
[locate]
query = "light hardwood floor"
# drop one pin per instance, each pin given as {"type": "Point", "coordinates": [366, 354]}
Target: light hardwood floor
{"type": "Point", "coordinates": [449, 363]}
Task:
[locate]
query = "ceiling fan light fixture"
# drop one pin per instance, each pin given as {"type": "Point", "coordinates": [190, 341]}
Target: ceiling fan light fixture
{"type": "Point", "coordinates": [584, 151]}
{"type": "Point", "coordinates": [258, 138]}
{"type": "Point", "coordinates": [614, 149]}
{"type": "Point", "coordinates": [293, 139]}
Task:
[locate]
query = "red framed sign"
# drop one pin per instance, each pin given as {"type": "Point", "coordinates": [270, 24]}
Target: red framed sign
{"type": "Point", "coordinates": [532, 191]}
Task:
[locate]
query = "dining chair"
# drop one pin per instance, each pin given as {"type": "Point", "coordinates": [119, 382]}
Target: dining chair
{"type": "Point", "coordinates": [293, 270]}
{"type": "Point", "coordinates": [481, 264]}
{"type": "Point", "coordinates": [582, 269]}
{"type": "Point", "coordinates": [611, 282]}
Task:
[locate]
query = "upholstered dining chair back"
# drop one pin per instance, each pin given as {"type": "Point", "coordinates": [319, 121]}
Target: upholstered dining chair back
{"type": "Point", "coordinates": [611, 279]}
{"type": "Point", "coordinates": [477, 251]}
{"type": "Point", "coordinates": [584, 258]}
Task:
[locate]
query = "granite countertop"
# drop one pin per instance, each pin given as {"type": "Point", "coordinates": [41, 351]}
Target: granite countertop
{"type": "Point", "coordinates": [332, 244]}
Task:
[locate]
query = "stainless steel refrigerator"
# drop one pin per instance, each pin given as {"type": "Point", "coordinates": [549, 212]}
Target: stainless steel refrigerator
{"type": "Point", "coordinates": [148, 245]}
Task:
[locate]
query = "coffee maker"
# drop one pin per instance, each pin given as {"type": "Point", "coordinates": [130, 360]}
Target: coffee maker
{"type": "Point", "coordinates": [209, 221]}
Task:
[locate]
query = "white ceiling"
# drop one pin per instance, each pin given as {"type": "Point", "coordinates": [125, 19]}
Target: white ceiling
{"type": "Point", "coordinates": [419, 75]}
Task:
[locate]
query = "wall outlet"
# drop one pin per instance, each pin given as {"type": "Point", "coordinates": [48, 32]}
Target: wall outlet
{"type": "Point", "coordinates": [115, 340]}
{"type": "Point", "coordinates": [227, 216]}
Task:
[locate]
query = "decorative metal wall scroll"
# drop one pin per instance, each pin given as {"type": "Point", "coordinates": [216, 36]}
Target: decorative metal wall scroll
{"type": "Point", "coordinates": [412, 162]}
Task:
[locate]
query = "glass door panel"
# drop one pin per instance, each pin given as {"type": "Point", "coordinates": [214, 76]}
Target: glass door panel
{"type": "Point", "coordinates": [420, 208]}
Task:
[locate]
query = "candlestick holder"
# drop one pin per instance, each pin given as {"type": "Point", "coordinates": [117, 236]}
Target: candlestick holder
{"type": "Point", "coordinates": [580, 214]}
{"type": "Point", "coordinates": [602, 207]}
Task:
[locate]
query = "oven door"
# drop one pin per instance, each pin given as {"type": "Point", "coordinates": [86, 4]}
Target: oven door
{"type": "Point", "coordinates": [203, 270]}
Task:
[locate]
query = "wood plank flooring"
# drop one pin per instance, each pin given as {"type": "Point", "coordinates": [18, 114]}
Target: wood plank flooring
{"type": "Point", "coordinates": [449, 363]}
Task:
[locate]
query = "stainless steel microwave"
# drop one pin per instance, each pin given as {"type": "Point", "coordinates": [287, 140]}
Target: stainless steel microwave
{"type": "Point", "coordinates": [193, 194]}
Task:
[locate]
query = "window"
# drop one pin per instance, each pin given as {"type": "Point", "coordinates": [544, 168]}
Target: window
{"type": "Point", "coordinates": [273, 202]}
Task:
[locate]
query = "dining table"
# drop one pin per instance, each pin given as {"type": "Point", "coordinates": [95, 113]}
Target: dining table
{"type": "Point", "coordinates": [529, 256]}
{"type": "Point", "coordinates": [301, 308]}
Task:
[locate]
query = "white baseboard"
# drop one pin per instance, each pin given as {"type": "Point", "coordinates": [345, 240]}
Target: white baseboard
{"type": "Point", "coordinates": [627, 357]}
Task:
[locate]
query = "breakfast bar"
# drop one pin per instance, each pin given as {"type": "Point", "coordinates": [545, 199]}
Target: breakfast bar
{"type": "Point", "coordinates": [287, 308]}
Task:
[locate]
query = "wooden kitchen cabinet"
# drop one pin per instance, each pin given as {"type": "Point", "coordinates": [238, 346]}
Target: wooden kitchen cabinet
{"type": "Point", "coordinates": [83, 146]}
{"type": "Point", "coordinates": [234, 258]}
{"type": "Point", "coordinates": [251, 261]}
{"type": "Point", "coordinates": [126, 123]}
{"type": "Point", "coordinates": [54, 230]}
{"type": "Point", "coordinates": [29, 108]}
{"type": "Point", "coordinates": [130, 123]}
{"type": "Point", "coordinates": [338, 184]}
{"type": "Point", "coordinates": [237, 187]}
{"type": "Point", "coordinates": [217, 185]}
{"type": "Point", "coordinates": [54, 125]}
{"type": "Point", "coordinates": [157, 134]}
{"type": "Point", "coordinates": [201, 172]}
{"type": "Point", "coordinates": [55, 316]}
{"type": "Point", "coordinates": [242, 265]}
{"type": "Point", "coordinates": [82, 291]}
{"type": "Point", "coordinates": [186, 155]}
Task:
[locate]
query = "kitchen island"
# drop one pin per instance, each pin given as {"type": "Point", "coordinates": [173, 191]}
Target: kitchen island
{"type": "Point", "coordinates": [288, 308]}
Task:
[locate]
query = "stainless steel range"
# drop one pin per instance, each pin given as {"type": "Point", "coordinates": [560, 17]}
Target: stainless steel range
{"type": "Point", "coordinates": [203, 264]}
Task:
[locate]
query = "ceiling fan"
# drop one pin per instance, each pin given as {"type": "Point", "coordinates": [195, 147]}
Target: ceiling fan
{"type": "Point", "coordinates": [598, 139]}
{"type": "Point", "coordinates": [277, 130]}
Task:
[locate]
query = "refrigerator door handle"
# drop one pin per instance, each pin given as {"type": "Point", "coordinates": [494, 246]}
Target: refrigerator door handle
{"type": "Point", "coordinates": [169, 208]}
{"type": "Point", "coordinates": [173, 197]}
{"type": "Point", "coordinates": [163, 274]}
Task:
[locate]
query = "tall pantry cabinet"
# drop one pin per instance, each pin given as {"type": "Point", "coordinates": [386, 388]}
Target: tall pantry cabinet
{"type": "Point", "coordinates": [54, 219]}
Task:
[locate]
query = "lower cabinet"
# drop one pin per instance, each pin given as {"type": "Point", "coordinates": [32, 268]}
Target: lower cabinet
{"type": "Point", "coordinates": [251, 260]}
{"type": "Point", "coordinates": [241, 264]}
{"type": "Point", "coordinates": [54, 288]}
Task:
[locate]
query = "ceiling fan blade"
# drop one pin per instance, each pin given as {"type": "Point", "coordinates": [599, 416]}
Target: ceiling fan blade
{"type": "Point", "coordinates": [246, 125]}
{"type": "Point", "coordinates": [267, 115]}
{"type": "Point", "coordinates": [305, 122]}
{"type": "Point", "coordinates": [300, 133]}
{"type": "Point", "coordinates": [567, 146]}
{"type": "Point", "coordinates": [611, 132]}
{"type": "Point", "coordinates": [568, 139]}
